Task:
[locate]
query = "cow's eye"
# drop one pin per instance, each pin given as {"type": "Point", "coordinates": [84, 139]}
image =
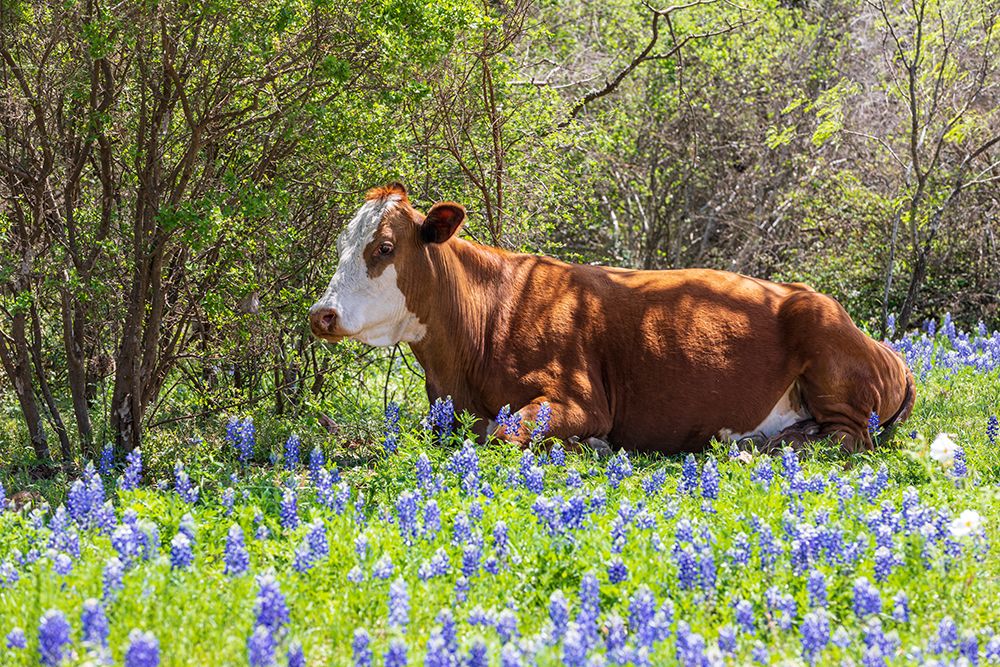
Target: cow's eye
{"type": "Point", "coordinates": [385, 249]}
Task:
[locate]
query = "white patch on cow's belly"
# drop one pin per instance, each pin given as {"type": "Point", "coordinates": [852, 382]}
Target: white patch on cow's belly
{"type": "Point", "coordinates": [782, 416]}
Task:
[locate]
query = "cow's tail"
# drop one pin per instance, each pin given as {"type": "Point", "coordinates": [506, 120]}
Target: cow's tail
{"type": "Point", "coordinates": [909, 395]}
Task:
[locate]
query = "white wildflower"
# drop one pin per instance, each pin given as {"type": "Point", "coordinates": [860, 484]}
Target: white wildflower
{"type": "Point", "coordinates": [943, 449]}
{"type": "Point", "coordinates": [968, 522]}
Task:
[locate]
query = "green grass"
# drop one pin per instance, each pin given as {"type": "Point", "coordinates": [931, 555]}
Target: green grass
{"type": "Point", "coordinates": [201, 616]}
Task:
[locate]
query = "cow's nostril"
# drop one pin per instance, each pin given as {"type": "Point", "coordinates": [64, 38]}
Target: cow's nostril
{"type": "Point", "coordinates": [324, 321]}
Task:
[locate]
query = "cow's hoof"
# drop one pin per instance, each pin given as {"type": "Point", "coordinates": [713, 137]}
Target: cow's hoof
{"type": "Point", "coordinates": [600, 447]}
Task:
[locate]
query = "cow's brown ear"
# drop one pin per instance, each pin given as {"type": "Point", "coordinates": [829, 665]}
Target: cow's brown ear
{"type": "Point", "coordinates": [442, 221]}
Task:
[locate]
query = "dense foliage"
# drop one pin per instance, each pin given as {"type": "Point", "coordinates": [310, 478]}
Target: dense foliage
{"type": "Point", "coordinates": [172, 174]}
{"type": "Point", "coordinates": [422, 548]}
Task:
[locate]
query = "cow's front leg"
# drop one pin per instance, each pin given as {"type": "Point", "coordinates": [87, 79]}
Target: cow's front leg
{"type": "Point", "coordinates": [566, 419]}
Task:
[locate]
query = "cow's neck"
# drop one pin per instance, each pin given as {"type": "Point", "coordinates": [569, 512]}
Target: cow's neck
{"type": "Point", "coordinates": [459, 304]}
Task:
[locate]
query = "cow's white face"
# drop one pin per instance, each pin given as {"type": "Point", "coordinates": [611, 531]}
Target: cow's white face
{"type": "Point", "coordinates": [364, 300]}
{"type": "Point", "coordinates": [383, 257]}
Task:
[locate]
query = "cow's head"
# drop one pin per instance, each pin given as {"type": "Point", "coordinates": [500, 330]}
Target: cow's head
{"type": "Point", "coordinates": [383, 257]}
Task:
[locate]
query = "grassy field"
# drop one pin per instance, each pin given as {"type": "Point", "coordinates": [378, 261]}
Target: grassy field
{"type": "Point", "coordinates": [263, 551]}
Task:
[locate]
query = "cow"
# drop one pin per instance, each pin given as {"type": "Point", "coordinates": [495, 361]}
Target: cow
{"type": "Point", "coordinates": [650, 361]}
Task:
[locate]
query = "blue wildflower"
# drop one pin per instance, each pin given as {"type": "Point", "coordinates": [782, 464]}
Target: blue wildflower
{"type": "Point", "coordinates": [53, 638]}
{"type": "Point", "coordinates": [874, 425]}
{"type": "Point", "coordinates": [391, 442]}
{"type": "Point", "coordinates": [261, 647]}
{"type": "Point", "coordinates": [867, 600]}
{"type": "Point", "coordinates": [16, 639]}
{"type": "Point", "coordinates": [432, 519]}
{"type": "Point", "coordinates": [558, 614]}
{"type": "Point", "coordinates": [511, 422]}
{"type": "Point", "coordinates": [815, 635]}
{"type": "Point", "coordinates": [992, 429]}
{"type": "Point", "coordinates": [901, 607]}
{"type": "Point", "coordinates": [181, 555]}
{"type": "Point", "coordinates": [296, 656]}
{"type": "Point", "coordinates": [710, 480]}
{"type": "Point", "coordinates": [182, 483]}
{"type": "Point", "coordinates": [727, 640]}
{"type": "Point", "coordinates": [228, 500]}
{"type": "Point", "coordinates": [143, 650]}
{"type": "Point", "coordinates": [316, 463]}
{"type": "Point", "coordinates": [542, 419]}
{"type": "Point", "coordinates": [743, 610]}
{"type": "Point", "coordinates": [236, 558]}
{"type": "Point", "coordinates": [270, 607]}
{"type": "Point", "coordinates": [132, 476]}
{"type": "Point", "coordinates": [617, 571]}
{"type": "Point", "coordinates": [816, 586]}
{"type": "Point", "coordinates": [689, 476]}
{"type": "Point", "coordinates": [507, 625]}
{"type": "Point", "coordinates": [406, 509]}
{"type": "Point", "coordinates": [112, 574]}
{"type": "Point", "coordinates": [289, 509]}
{"type": "Point", "coordinates": [395, 656]}
{"type": "Point", "coordinates": [360, 649]}
{"type": "Point", "coordinates": [95, 623]}
{"type": "Point", "coordinates": [383, 567]}
{"type": "Point", "coordinates": [107, 463]}
{"type": "Point", "coordinates": [619, 468]}
{"type": "Point", "coordinates": [399, 604]}
{"type": "Point", "coordinates": [291, 453]}
{"type": "Point", "coordinates": [442, 416]}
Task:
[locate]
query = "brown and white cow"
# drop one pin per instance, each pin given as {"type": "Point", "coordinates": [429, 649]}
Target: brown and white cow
{"type": "Point", "coordinates": [647, 360]}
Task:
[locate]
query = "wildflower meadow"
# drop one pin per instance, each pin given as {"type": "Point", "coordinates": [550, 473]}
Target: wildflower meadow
{"type": "Point", "coordinates": [428, 549]}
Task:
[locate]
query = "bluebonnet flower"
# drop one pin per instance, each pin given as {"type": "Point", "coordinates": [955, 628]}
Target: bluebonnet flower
{"type": "Point", "coordinates": [500, 539]}
{"type": "Point", "coordinates": [461, 589]}
{"type": "Point", "coordinates": [573, 479]}
{"type": "Point", "coordinates": [689, 476]}
{"type": "Point", "coordinates": [360, 648]}
{"type": "Point", "coordinates": [316, 463]}
{"type": "Point", "coordinates": [946, 638]}
{"type": "Point", "coordinates": [383, 567]}
{"type": "Point", "coordinates": [763, 474]}
{"type": "Point", "coordinates": [3, 498]}
{"type": "Point", "coordinates": [432, 519]}
{"type": "Point", "coordinates": [246, 439]}
{"type": "Point", "coordinates": [461, 531]}
{"type": "Point", "coordinates": [399, 604]}
{"type": "Point", "coordinates": [53, 638]}
{"type": "Point", "coordinates": [815, 635]}
{"type": "Point", "coordinates": [95, 623]}
{"type": "Point", "coordinates": [438, 654]}
{"type": "Point", "coordinates": [16, 639]}
{"type": "Point", "coordinates": [291, 453]}
{"type": "Point", "coordinates": [558, 614]}
{"type": "Point", "coordinates": [261, 647]}
{"type": "Point", "coordinates": [111, 577]}
{"type": "Point", "coordinates": [901, 607]}
{"type": "Point", "coordinates": [62, 565]}
{"type": "Point", "coordinates": [319, 546]}
{"type": "Point", "coordinates": [727, 639]}
{"type": "Point", "coordinates": [356, 575]}
{"type": "Point", "coordinates": [395, 656]}
{"type": "Point", "coordinates": [652, 484]}
{"type": "Point", "coordinates": [542, 419]}
{"type": "Point", "coordinates": [816, 586]}
{"type": "Point", "coordinates": [406, 508]}
{"type": "Point", "coordinates": [575, 647]}
{"type": "Point", "coordinates": [867, 599]}
{"type": "Point", "coordinates": [471, 555]}
{"type": "Point", "coordinates": [557, 454]}
{"type": "Point", "coordinates": [289, 509]}
{"type": "Point", "coordinates": [296, 657]}
{"type": "Point", "coordinates": [506, 625]}
{"type": "Point", "coordinates": [992, 429]}
{"type": "Point", "coordinates": [968, 648]}
{"type": "Point", "coordinates": [425, 474]}
{"type": "Point", "coordinates": [619, 468]}
{"type": "Point", "coordinates": [143, 650]}
{"type": "Point", "coordinates": [617, 571]}
{"type": "Point", "coordinates": [132, 476]}
{"type": "Point", "coordinates": [181, 555]}
{"type": "Point", "coordinates": [270, 607]}
{"type": "Point", "coordinates": [107, 462]}
{"type": "Point", "coordinates": [884, 562]}
{"type": "Point", "coordinates": [236, 558]}
{"type": "Point", "coordinates": [642, 609]}
{"type": "Point", "coordinates": [759, 654]}
{"type": "Point", "coordinates": [874, 425]}
{"type": "Point", "coordinates": [182, 483]}
{"type": "Point", "coordinates": [391, 422]}
{"type": "Point", "coordinates": [890, 325]}
{"type": "Point", "coordinates": [511, 422]}
{"type": "Point", "coordinates": [228, 500]}
{"type": "Point", "coordinates": [710, 480]}
{"type": "Point", "coordinates": [960, 466]}
{"type": "Point", "coordinates": [743, 610]}
{"type": "Point", "coordinates": [8, 574]}
{"type": "Point", "coordinates": [534, 479]}
{"type": "Point", "coordinates": [690, 646]}
{"type": "Point", "coordinates": [442, 416]}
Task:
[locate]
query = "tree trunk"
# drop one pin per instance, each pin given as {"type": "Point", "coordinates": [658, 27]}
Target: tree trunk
{"type": "Point", "coordinates": [18, 368]}
{"type": "Point", "coordinates": [56, 418]}
{"type": "Point", "coordinates": [74, 316]}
